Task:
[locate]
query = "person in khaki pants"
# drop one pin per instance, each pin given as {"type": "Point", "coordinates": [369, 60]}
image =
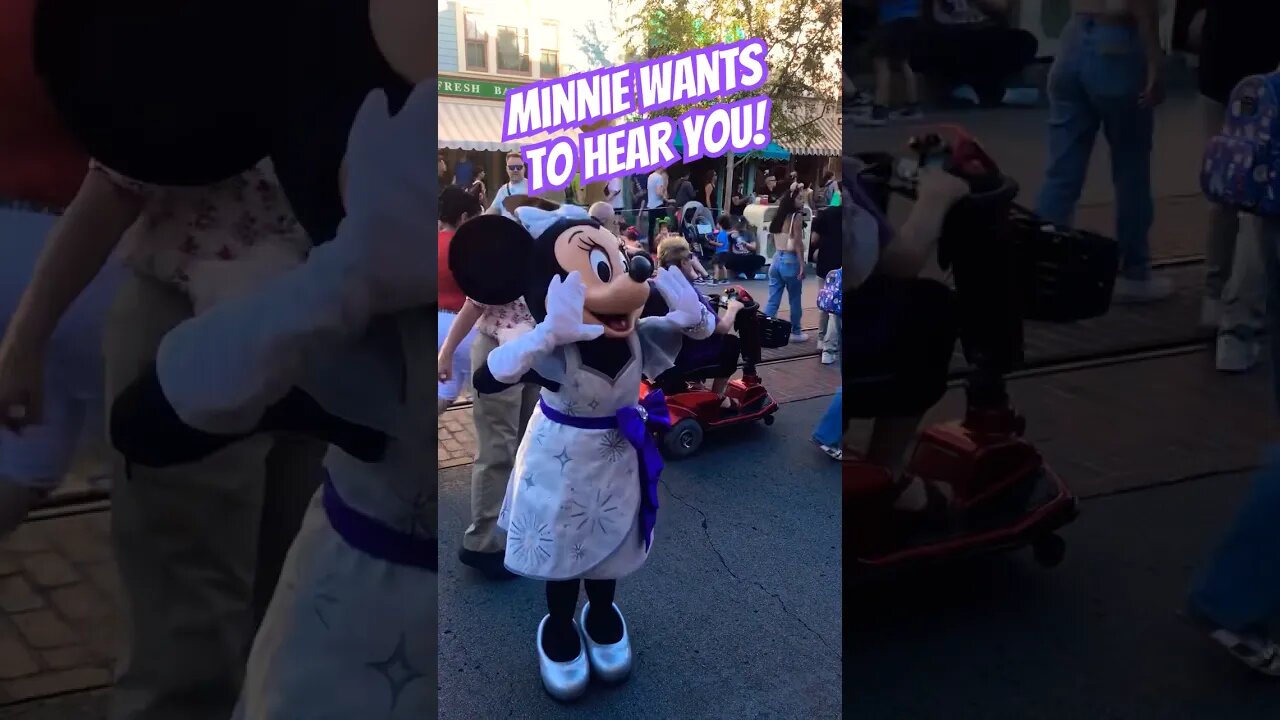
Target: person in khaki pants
{"type": "Point", "coordinates": [199, 547]}
{"type": "Point", "coordinates": [500, 420]}
{"type": "Point", "coordinates": [197, 219]}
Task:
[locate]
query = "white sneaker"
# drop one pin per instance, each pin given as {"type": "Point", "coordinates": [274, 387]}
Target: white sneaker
{"type": "Point", "coordinates": [15, 502]}
{"type": "Point", "coordinates": [1142, 291]}
{"type": "Point", "coordinates": [1210, 312]}
{"type": "Point", "coordinates": [1236, 355]}
{"type": "Point", "coordinates": [799, 337]}
{"type": "Point", "coordinates": [828, 357]}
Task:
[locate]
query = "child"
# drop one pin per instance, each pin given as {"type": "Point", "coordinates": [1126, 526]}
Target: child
{"type": "Point", "coordinates": [662, 234]}
{"type": "Point", "coordinates": [891, 50]}
{"type": "Point", "coordinates": [724, 239]}
{"type": "Point", "coordinates": [631, 239]}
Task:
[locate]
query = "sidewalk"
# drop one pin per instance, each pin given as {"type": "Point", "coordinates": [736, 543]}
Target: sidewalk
{"type": "Point", "coordinates": [58, 612]}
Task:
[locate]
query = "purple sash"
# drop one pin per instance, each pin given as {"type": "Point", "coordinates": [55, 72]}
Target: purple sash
{"type": "Point", "coordinates": [635, 423]}
{"type": "Point", "coordinates": [372, 537]}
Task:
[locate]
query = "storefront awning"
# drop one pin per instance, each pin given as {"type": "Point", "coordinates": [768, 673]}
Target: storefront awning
{"type": "Point", "coordinates": [477, 125]}
{"type": "Point", "coordinates": [773, 151]}
{"type": "Point", "coordinates": [825, 140]}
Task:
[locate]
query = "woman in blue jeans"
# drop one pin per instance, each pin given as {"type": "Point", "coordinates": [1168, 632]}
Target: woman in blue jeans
{"type": "Point", "coordinates": [786, 272]}
{"type": "Point", "coordinates": [1108, 75]}
{"type": "Point", "coordinates": [830, 431]}
{"type": "Point", "coordinates": [1238, 596]}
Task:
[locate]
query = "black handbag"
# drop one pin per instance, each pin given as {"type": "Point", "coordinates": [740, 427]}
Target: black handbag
{"type": "Point", "coordinates": [1065, 275]}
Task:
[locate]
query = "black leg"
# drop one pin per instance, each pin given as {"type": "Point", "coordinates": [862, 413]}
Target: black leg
{"type": "Point", "coordinates": [559, 639]}
{"type": "Point", "coordinates": [604, 625]}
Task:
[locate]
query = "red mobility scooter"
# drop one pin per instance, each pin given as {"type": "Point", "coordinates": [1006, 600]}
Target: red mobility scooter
{"type": "Point", "coordinates": [694, 408]}
{"type": "Point", "coordinates": [1004, 494]}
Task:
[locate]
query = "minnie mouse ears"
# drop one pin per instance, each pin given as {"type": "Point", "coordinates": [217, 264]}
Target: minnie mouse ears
{"type": "Point", "coordinates": [490, 258]}
{"type": "Point", "coordinates": [331, 63]}
{"type": "Point", "coordinates": [171, 93]}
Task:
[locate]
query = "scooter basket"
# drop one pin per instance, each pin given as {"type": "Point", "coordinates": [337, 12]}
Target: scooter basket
{"type": "Point", "coordinates": [774, 333]}
{"type": "Point", "coordinates": [1066, 275]}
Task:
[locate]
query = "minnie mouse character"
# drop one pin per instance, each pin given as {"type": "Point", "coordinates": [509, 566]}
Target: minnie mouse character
{"type": "Point", "coordinates": [581, 501]}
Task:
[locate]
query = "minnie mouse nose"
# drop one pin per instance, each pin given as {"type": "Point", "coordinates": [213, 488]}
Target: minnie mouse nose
{"type": "Point", "coordinates": [640, 268]}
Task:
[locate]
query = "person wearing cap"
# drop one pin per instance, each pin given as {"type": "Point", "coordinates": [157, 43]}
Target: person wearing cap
{"type": "Point", "coordinates": [341, 346]}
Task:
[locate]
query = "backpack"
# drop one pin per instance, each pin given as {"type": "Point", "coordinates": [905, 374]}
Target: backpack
{"type": "Point", "coordinates": [1240, 163]}
{"type": "Point", "coordinates": [830, 297]}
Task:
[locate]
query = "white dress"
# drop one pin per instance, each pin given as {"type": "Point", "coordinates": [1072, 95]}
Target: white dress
{"type": "Point", "coordinates": [572, 507]}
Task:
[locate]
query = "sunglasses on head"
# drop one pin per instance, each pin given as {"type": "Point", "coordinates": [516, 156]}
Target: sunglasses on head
{"type": "Point", "coordinates": [514, 168]}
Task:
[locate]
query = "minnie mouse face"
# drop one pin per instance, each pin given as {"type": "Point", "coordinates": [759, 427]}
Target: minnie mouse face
{"type": "Point", "coordinates": [614, 297]}
{"type": "Point", "coordinates": [495, 260]}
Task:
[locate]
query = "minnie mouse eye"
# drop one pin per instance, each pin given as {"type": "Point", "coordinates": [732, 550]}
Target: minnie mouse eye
{"type": "Point", "coordinates": [600, 263]}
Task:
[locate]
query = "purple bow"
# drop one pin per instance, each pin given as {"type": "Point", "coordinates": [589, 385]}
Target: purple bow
{"type": "Point", "coordinates": [636, 425]}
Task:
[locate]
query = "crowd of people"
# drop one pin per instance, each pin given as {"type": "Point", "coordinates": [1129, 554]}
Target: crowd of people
{"type": "Point", "coordinates": [970, 49]}
{"type": "Point", "coordinates": [1108, 76]}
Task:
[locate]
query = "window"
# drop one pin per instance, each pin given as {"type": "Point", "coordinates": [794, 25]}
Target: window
{"type": "Point", "coordinates": [549, 63]}
{"type": "Point", "coordinates": [513, 50]}
{"type": "Point", "coordinates": [477, 41]}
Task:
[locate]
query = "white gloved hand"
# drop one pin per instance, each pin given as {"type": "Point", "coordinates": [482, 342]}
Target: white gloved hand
{"type": "Point", "coordinates": [389, 197]}
{"type": "Point", "coordinates": [565, 303]}
{"type": "Point", "coordinates": [685, 309]}
{"type": "Point", "coordinates": [562, 326]}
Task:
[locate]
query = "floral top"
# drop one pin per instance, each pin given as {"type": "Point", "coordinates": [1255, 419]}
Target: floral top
{"type": "Point", "coordinates": [502, 322]}
{"type": "Point", "coordinates": [222, 221]}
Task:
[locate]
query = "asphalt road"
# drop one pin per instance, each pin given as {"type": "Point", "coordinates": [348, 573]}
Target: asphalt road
{"type": "Point", "coordinates": [736, 615]}
{"type": "Point", "coordinates": [1099, 637]}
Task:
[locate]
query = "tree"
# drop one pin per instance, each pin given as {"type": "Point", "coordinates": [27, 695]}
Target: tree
{"type": "Point", "coordinates": [593, 48]}
{"type": "Point", "coordinates": [803, 37]}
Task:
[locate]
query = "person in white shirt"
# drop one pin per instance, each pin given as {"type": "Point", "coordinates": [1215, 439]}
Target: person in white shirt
{"type": "Point", "coordinates": [613, 196]}
{"type": "Point", "coordinates": [516, 184]}
{"type": "Point", "coordinates": [657, 203]}
{"type": "Point", "coordinates": [34, 463]}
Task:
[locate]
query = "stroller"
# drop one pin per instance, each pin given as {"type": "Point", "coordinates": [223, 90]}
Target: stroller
{"type": "Point", "coordinates": [698, 226]}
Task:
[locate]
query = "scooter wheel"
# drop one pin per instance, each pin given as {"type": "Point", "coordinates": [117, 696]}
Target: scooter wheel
{"type": "Point", "coordinates": [768, 419]}
{"type": "Point", "coordinates": [1049, 551]}
{"type": "Point", "coordinates": [683, 439]}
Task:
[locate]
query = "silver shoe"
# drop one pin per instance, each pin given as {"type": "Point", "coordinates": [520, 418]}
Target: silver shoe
{"type": "Point", "coordinates": [564, 681]}
{"type": "Point", "coordinates": [612, 663]}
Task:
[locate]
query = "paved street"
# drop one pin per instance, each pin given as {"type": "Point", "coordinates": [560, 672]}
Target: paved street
{"type": "Point", "coordinates": [1160, 449]}
{"type": "Point", "coordinates": [736, 615]}
{"type": "Point", "coordinates": [1097, 637]}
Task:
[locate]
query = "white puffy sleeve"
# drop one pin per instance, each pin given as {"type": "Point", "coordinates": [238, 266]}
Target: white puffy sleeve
{"type": "Point", "coordinates": [222, 369]}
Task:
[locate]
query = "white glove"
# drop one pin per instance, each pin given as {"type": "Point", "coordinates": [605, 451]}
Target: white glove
{"type": "Point", "coordinates": [223, 368]}
{"type": "Point", "coordinates": [390, 198]}
{"type": "Point", "coordinates": [685, 310]}
{"type": "Point", "coordinates": [562, 326]}
{"type": "Point", "coordinates": [565, 303]}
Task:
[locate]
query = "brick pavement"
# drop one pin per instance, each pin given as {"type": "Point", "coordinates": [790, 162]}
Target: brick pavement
{"type": "Point", "coordinates": [58, 610]}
